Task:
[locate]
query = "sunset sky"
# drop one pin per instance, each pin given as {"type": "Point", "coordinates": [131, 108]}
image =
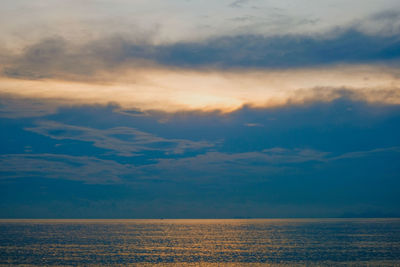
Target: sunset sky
{"type": "Point", "coordinates": [199, 109]}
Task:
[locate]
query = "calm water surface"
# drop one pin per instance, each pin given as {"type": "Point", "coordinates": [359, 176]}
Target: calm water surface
{"type": "Point", "coordinates": [327, 242]}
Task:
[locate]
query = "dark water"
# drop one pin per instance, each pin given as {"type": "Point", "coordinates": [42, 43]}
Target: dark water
{"type": "Point", "coordinates": [360, 242]}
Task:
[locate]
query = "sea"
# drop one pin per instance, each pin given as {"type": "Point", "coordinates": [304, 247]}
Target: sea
{"type": "Point", "coordinates": [201, 242]}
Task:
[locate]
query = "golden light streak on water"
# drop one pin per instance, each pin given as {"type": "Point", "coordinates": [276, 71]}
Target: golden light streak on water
{"type": "Point", "coordinates": [279, 242]}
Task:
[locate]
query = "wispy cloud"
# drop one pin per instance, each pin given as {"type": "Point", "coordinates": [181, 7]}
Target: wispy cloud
{"type": "Point", "coordinates": [238, 3]}
{"type": "Point", "coordinates": [266, 164]}
{"type": "Point", "coordinates": [87, 169]}
{"type": "Point", "coordinates": [360, 154]}
{"type": "Point", "coordinates": [123, 141]}
{"type": "Point", "coordinates": [207, 167]}
{"type": "Point", "coordinates": [251, 124]}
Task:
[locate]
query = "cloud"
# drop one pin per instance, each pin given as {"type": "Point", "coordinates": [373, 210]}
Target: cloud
{"type": "Point", "coordinates": [320, 159]}
{"type": "Point", "coordinates": [58, 58]}
{"type": "Point", "coordinates": [219, 73]}
{"type": "Point", "coordinates": [348, 46]}
{"type": "Point", "coordinates": [185, 103]}
{"type": "Point", "coordinates": [180, 21]}
{"type": "Point", "coordinates": [222, 73]}
{"type": "Point", "coordinates": [341, 126]}
{"type": "Point", "coordinates": [173, 90]}
{"type": "Point", "coordinates": [250, 124]}
{"type": "Point", "coordinates": [214, 167]}
{"type": "Point", "coordinates": [360, 154]}
{"type": "Point", "coordinates": [123, 141]}
{"type": "Point", "coordinates": [386, 22]}
{"type": "Point", "coordinates": [201, 168]}
{"type": "Point", "coordinates": [247, 167]}
{"type": "Point", "coordinates": [238, 3]}
{"type": "Point", "coordinates": [220, 167]}
{"type": "Point", "coordinates": [12, 106]}
{"type": "Point", "coordinates": [87, 169]}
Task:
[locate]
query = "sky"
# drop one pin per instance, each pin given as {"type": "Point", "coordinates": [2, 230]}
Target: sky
{"type": "Point", "coordinates": [199, 109]}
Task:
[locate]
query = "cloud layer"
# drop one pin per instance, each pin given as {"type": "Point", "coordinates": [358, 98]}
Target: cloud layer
{"type": "Point", "coordinates": [323, 159]}
{"type": "Point", "coordinates": [206, 109]}
{"type": "Point", "coordinates": [174, 90]}
{"type": "Point", "coordinates": [221, 73]}
{"type": "Point", "coordinates": [58, 58]}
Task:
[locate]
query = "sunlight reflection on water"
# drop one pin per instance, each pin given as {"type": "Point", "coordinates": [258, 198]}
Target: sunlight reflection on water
{"type": "Point", "coordinates": [296, 242]}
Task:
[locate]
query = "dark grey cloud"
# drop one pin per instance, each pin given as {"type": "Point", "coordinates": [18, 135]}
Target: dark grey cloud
{"type": "Point", "coordinates": [285, 51]}
{"type": "Point", "coordinates": [55, 57]}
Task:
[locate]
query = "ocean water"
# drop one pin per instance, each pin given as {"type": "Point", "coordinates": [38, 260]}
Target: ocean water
{"type": "Point", "coordinates": [270, 242]}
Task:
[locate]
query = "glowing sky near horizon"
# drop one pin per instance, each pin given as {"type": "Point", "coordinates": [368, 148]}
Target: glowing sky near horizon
{"type": "Point", "coordinates": [171, 91]}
